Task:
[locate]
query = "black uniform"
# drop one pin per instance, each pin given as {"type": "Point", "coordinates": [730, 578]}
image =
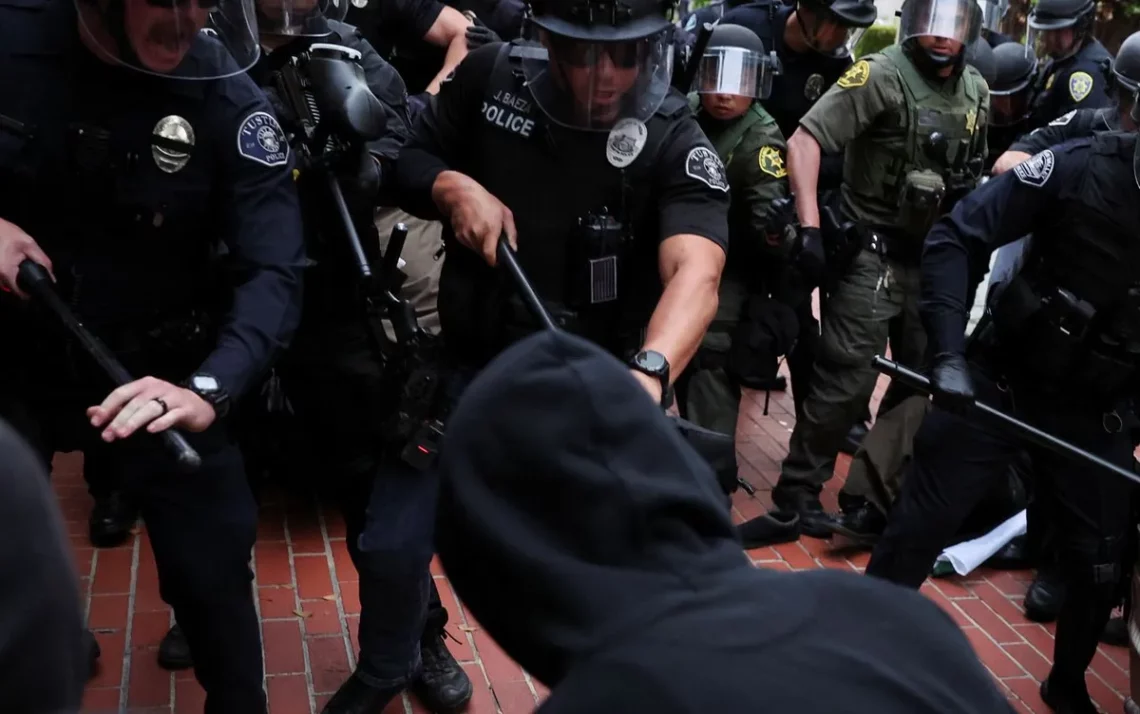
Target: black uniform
{"type": "Point", "coordinates": [135, 249]}
{"type": "Point", "coordinates": [1077, 82]}
{"type": "Point", "coordinates": [396, 29]}
{"type": "Point", "coordinates": [1077, 124]}
{"type": "Point", "coordinates": [1061, 354]}
{"type": "Point", "coordinates": [486, 125]}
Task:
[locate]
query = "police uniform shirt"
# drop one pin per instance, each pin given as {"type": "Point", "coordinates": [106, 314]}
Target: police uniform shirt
{"type": "Point", "coordinates": [806, 75]}
{"type": "Point", "coordinates": [549, 176]}
{"type": "Point", "coordinates": [134, 223]}
{"type": "Point", "coordinates": [1035, 197]}
{"type": "Point", "coordinates": [1078, 82]}
{"type": "Point", "coordinates": [396, 29]}
{"type": "Point", "coordinates": [1077, 124]}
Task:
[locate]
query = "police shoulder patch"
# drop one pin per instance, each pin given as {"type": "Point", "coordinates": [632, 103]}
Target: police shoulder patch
{"type": "Point", "coordinates": [1036, 170]}
{"type": "Point", "coordinates": [772, 162]}
{"type": "Point", "coordinates": [261, 139]}
{"type": "Point", "coordinates": [1063, 119]}
{"type": "Point", "coordinates": [704, 165]}
{"type": "Point", "coordinates": [856, 75]}
{"type": "Point", "coordinates": [1080, 85]}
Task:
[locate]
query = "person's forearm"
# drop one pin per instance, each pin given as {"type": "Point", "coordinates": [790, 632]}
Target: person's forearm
{"type": "Point", "coordinates": [803, 173]}
{"type": "Point", "coordinates": [683, 314]}
{"type": "Point", "coordinates": [447, 189]}
{"type": "Point", "coordinates": [456, 51]}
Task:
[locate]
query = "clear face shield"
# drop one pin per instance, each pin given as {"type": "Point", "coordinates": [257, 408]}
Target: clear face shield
{"type": "Point", "coordinates": [1051, 40]}
{"type": "Point", "coordinates": [299, 18]}
{"type": "Point", "coordinates": [591, 85]}
{"type": "Point", "coordinates": [945, 21]}
{"type": "Point", "coordinates": [825, 34]}
{"type": "Point", "coordinates": [993, 13]}
{"type": "Point", "coordinates": [736, 71]}
{"type": "Point", "coordinates": [167, 38]}
{"type": "Point", "coordinates": [1011, 106]}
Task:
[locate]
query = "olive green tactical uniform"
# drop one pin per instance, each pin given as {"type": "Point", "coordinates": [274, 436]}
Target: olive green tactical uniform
{"type": "Point", "coordinates": [885, 115]}
{"type": "Point", "coordinates": [753, 151]}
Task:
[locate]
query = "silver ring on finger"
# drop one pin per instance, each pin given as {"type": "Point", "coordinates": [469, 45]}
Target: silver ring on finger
{"type": "Point", "coordinates": [162, 403]}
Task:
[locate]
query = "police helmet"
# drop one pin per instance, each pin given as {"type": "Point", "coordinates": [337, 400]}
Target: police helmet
{"type": "Point", "coordinates": [735, 62]}
{"type": "Point", "coordinates": [993, 12]}
{"type": "Point", "coordinates": [854, 15]}
{"type": "Point", "coordinates": [1052, 15]}
{"type": "Point", "coordinates": [1126, 65]}
{"type": "Point", "coordinates": [980, 56]}
{"type": "Point", "coordinates": [298, 18]}
{"type": "Point", "coordinates": [849, 13]}
{"type": "Point", "coordinates": [1010, 91]}
{"type": "Point", "coordinates": [957, 20]}
{"type": "Point", "coordinates": [165, 37]}
{"type": "Point", "coordinates": [592, 63]}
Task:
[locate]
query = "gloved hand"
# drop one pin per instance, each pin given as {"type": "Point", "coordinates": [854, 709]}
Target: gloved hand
{"type": "Point", "coordinates": [807, 254]}
{"type": "Point", "coordinates": [478, 35]}
{"type": "Point", "coordinates": [362, 177]}
{"type": "Point", "coordinates": [950, 382]}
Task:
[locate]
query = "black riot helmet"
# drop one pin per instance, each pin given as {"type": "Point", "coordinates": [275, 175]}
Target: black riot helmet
{"type": "Point", "coordinates": [980, 56]}
{"type": "Point", "coordinates": [1010, 92]}
{"type": "Point", "coordinates": [1126, 65]}
{"type": "Point", "coordinates": [854, 15]}
{"type": "Point", "coordinates": [298, 18]}
{"type": "Point", "coordinates": [735, 63]}
{"type": "Point", "coordinates": [167, 38]}
{"type": "Point", "coordinates": [1048, 17]}
{"type": "Point", "coordinates": [604, 60]}
{"type": "Point", "coordinates": [956, 20]}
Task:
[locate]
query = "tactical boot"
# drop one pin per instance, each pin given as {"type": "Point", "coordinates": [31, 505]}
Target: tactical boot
{"type": "Point", "coordinates": [174, 650]}
{"type": "Point", "coordinates": [93, 652]}
{"type": "Point", "coordinates": [1067, 702]}
{"type": "Point", "coordinates": [1014, 555]}
{"type": "Point", "coordinates": [814, 521]}
{"type": "Point", "coordinates": [862, 526]}
{"type": "Point", "coordinates": [1045, 596]}
{"type": "Point", "coordinates": [111, 521]}
{"type": "Point", "coordinates": [854, 439]}
{"type": "Point", "coordinates": [442, 686]}
{"type": "Point", "coordinates": [1115, 632]}
{"type": "Point", "coordinates": [356, 696]}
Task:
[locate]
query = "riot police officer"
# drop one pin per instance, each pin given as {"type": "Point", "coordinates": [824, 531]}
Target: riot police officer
{"type": "Point", "coordinates": [1061, 353]}
{"type": "Point", "coordinates": [1076, 73]}
{"type": "Point", "coordinates": [733, 75]}
{"type": "Point", "coordinates": [574, 146]}
{"type": "Point", "coordinates": [993, 13]}
{"type": "Point", "coordinates": [1011, 93]}
{"type": "Point", "coordinates": [101, 115]}
{"type": "Point", "coordinates": [896, 182]}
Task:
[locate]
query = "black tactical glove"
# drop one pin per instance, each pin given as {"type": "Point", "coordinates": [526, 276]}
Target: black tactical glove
{"type": "Point", "coordinates": [950, 382]}
{"type": "Point", "coordinates": [478, 35]}
{"type": "Point", "coordinates": [807, 254]}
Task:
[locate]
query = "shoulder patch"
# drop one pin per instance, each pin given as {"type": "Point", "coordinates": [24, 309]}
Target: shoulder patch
{"type": "Point", "coordinates": [772, 162]}
{"type": "Point", "coordinates": [1063, 119]}
{"type": "Point", "coordinates": [704, 165]}
{"type": "Point", "coordinates": [260, 138]}
{"type": "Point", "coordinates": [1080, 84]}
{"type": "Point", "coordinates": [1036, 170]}
{"type": "Point", "coordinates": [856, 75]}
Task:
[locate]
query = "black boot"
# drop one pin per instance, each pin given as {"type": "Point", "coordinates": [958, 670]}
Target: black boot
{"type": "Point", "coordinates": [854, 439]}
{"type": "Point", "coordinates": [863, 526]}
{"type": "Point", "coordinates": [1115, 632]}
{"type": "Point", "coordinates": [442, 686]}
{"type": "Point", "coordinates": [1067, 701]}
{"type": "Point", "coordinates": [1045, 596]}
{"type": "Point", "coordinates": [93, 652]}
{"type": "Point", "coordinates": [111, 521]}
{"type": "Point", "coordinates": [174, 651]}
{"type": "Point", "coordinates": [814, 521]}
{"type": "Point", "coordinates": [356, 696]}
{"type": "Point", "coordinates": [1014, 555]}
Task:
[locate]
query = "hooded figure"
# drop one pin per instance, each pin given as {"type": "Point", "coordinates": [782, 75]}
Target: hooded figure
{"type": "Point", "coordinates": [593, 544]}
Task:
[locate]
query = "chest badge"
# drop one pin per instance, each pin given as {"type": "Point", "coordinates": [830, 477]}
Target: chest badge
{"type": "Point", "coordinates": [625, 142]}
{"type": "Point", "coordinates": [971, 121]}
{"type": "Point", "coordinates": [813, 87]}
{"type": "Point", "coordinates": [1080, 84]}
{"type": "Point", "coordinates": [856, 75]}
{"type": "Point", "coordinates": [171, 143]}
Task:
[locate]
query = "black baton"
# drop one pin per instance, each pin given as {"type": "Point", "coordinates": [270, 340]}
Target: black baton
{"type": "Point", "coordinates": [507, 259]}
{"type": "Point", "coordinates": [920, 383]}
{"type": "Point", "coordinates": [35, 281]}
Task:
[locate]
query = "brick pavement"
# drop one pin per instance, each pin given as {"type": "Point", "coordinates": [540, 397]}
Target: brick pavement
{"type": "Point", "coordinates": [307, 599]}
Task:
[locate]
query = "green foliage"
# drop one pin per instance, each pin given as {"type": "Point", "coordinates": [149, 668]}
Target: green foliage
{"type": "Point", "coordinates": [877, 37]}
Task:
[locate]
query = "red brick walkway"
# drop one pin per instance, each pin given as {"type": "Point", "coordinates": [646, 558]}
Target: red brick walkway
{"type": "Point", "coordinates": [309, 608]}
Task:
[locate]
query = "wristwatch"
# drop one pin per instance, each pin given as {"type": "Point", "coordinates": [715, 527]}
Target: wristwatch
{"type": "Point", "coordinates": [210, 390]}
{"type": "Point", "coordinates": [655, 365]}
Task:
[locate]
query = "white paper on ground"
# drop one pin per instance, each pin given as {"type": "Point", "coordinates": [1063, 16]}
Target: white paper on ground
{"type": "Point", "coordinates": [968, 555]}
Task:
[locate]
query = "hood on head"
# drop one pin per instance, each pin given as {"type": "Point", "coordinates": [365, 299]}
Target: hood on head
{"type": "Point", "coordinates": [571, 507]}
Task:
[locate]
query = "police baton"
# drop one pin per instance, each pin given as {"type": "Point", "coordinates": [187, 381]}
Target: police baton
{"type": "Point", "coordinates": [506, 258]}
{"type": "Point", "coordinates": [35, 281]}
{"type": "Point", "coordinates": [1015, 426]}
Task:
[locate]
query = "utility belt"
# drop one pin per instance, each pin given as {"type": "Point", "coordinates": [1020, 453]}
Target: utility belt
{"type": "Point", "coordinates": [1058, 339]}
{"type": "Point", "coordinates": [890, 244]}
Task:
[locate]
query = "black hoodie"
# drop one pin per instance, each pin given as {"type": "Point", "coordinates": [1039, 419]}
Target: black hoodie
{"type": "Point", "coordinates": [589, 539]}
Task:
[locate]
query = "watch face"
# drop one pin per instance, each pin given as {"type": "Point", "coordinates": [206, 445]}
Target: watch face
{"type": "Point", "coordinates": [652, 361]}
{"type": "Point", "coordinates": [205, 383]}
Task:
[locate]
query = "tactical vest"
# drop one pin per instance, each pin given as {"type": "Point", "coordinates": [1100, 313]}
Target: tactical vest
{"type": "Point", "coordinates": [932, 131]}
{"type": "Point", "coordinates": [553, 179]}
{"type": "Point", "coordinates": [1072, 316]}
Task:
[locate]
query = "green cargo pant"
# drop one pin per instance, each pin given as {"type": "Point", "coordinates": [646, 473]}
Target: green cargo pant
{"type": "Point", "coordinates": [877, 300]}
{"type": "Point", "coordinates": [712, 399]}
